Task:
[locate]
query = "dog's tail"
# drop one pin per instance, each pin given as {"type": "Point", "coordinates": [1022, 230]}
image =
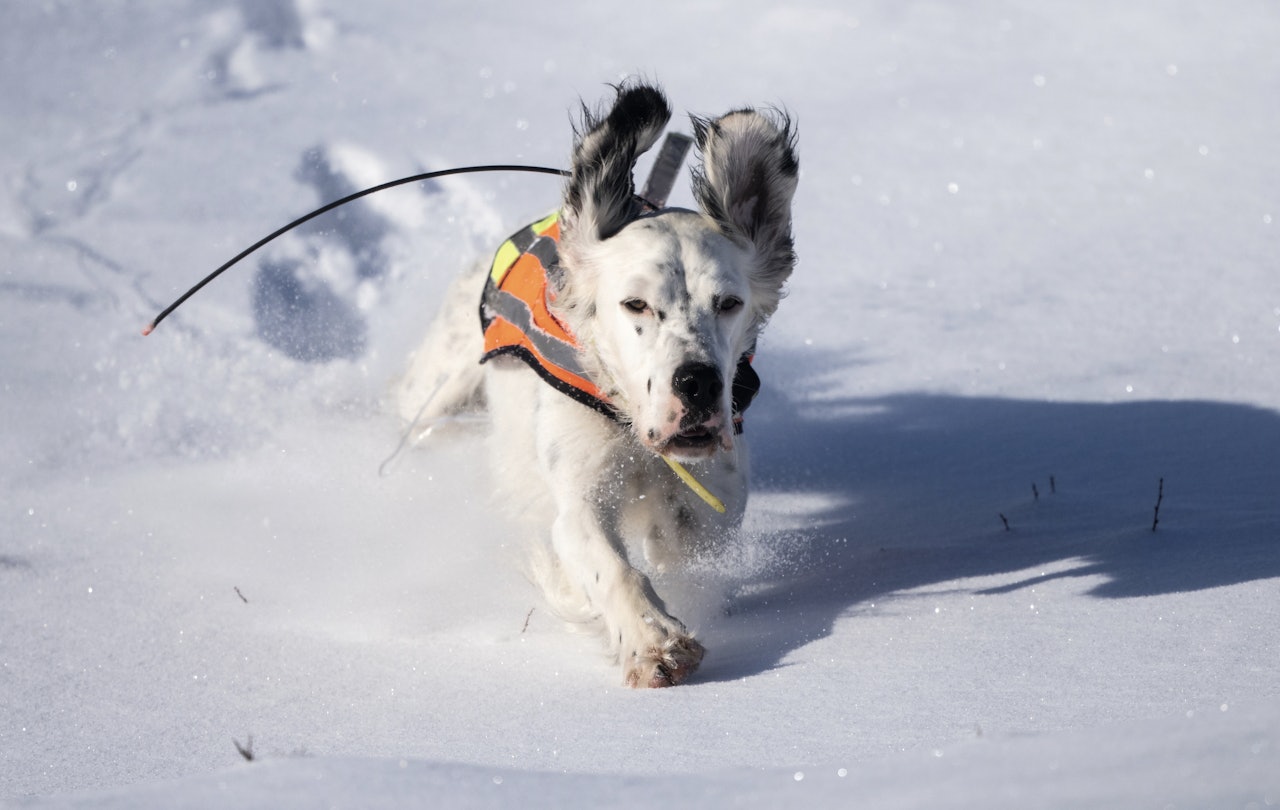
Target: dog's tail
{"type": "Point", "coordinates": [444, 377]}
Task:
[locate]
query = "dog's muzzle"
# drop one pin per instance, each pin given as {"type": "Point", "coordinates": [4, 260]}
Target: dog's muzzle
{"type": "Point", "coordinates": [699, 388]}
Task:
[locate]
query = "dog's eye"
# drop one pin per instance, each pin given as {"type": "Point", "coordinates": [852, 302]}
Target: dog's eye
{"type": "Point", "coordinates": [728, 304]}
{"type": "Point", "coordinates": [636, 306]}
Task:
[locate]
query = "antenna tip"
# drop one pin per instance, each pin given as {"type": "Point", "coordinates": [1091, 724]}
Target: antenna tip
{"type": "Point", "coordinates": [146, 330]}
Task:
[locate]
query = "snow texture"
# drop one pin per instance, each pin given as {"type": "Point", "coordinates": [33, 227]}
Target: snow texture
{"type": "Point", "coordinates": [1037, 249]}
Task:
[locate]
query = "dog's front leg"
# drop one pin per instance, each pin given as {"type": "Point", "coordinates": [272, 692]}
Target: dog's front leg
{"type": "Point", "coordinates": [653, 647]}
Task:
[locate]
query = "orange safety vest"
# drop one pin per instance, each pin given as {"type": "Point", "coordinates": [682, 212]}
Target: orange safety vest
{"type": "Point", "coordinates": [517, 322]}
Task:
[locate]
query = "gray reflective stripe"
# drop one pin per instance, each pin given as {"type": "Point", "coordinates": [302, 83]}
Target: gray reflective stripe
{"type": "Point", "coordinates": [523, 238]}
{"type": "Point", "coordinates": [545, 250]}
{"type": "Point", "coordinates": [556, 351]}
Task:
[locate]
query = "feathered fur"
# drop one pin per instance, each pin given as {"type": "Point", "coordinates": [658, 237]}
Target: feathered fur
{"type": "Point", "coordinates": [663, 305]}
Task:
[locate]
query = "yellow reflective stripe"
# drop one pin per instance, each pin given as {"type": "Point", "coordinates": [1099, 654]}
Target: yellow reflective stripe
{"type": "Point", "coordinates": [502, 261]}
{"type": "Point", "coordinates": [508, 252]}
{"type": "Point", "coordinates": [543, 225]}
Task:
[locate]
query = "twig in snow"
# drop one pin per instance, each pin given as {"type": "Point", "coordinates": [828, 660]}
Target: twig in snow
{"type": "Point", "coordinates": [1035, 492]}
{"type": "Point", "coordinates": [527, 616]}
{"type": "Point", "coordinates": [237, 590]}
{"type": "Point", "coordinates": [1005, 520]}
{"type": "Point", "coordinates": [245, 750]}
{"type": "Point", "coordinates": [1155, 520]}
{"type": "Point", "coordinates": [1053, 486]}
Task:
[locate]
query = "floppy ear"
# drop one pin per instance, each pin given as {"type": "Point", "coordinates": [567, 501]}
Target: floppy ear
{"type": "Point", "coordinates": [745, 183]}
{"type": "Point", "coordinates": [599, 198]}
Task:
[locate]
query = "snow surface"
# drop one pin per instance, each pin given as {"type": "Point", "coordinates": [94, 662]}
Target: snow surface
{"type": "Point", "coordinates": [1038, 245]}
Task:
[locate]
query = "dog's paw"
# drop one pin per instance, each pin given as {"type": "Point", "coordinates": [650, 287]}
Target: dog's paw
{"type": "Point", "coordinates": [664, 664]}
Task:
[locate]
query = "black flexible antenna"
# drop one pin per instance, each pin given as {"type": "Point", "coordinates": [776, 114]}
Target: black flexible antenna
{"type": "Point", "coordinates": [326, 208]}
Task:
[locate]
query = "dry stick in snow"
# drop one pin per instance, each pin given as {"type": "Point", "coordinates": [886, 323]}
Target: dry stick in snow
{"type": "Point", "coordinates": [1155, 521]}
{"type": "Point", "coordinates": [1005, 520]}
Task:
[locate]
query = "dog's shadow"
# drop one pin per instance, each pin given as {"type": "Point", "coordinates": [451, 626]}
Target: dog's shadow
{"type": "Point", "coordinates": [890, 495]}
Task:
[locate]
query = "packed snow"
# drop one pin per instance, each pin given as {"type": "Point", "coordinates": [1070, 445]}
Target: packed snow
{"type": "Point", "coordinates": [1015, 531]}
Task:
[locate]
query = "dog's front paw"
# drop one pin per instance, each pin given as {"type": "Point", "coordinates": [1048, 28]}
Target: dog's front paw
{"type": "Point", "coordinates": [664, 664]}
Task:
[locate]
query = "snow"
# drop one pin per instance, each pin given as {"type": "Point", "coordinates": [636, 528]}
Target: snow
{"type": "Point", "coordinates": [1037, 247]}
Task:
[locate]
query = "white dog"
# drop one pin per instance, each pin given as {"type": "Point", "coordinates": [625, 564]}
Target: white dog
{"type": "Point", "coordinates": [615, 342]}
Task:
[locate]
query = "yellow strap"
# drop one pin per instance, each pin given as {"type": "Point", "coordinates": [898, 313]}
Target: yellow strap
{"type": "Point", "coordinates": [502, 262]}
{"type": "Point", "coordinates": [693, 484]}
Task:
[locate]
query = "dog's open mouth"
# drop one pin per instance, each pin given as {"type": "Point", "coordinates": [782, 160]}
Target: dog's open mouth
{"type": "Point", "coordinates": [697, 438]}
{"type": "Point", "coordinates": [694, 438]}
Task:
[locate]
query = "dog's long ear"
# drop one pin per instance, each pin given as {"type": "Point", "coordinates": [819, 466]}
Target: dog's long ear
{"type": "Point", "coordinates": [745, 183]}
{"type": "Point", "coordinates": [599, 198]}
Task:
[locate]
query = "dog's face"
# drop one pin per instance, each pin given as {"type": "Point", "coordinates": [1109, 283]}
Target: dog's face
{"type": "Point", "coordinates": [674, 312]}
{"type": "Point", "coordinates": [664, 305]}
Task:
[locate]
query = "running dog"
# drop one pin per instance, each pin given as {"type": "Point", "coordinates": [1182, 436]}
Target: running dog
{"type": "Point", "coordinates": [613, 353]}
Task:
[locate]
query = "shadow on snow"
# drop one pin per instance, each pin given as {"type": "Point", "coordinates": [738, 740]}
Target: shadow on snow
{"type": "Point", "coordinates": [913, 490]}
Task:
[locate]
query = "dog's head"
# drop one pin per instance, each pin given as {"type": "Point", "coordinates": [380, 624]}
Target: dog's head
{"type": "Point", "coordinates": [664, 304]}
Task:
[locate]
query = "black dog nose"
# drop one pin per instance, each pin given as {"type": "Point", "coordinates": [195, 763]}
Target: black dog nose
{"type": "Point", "coordinates": [698, 385]}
